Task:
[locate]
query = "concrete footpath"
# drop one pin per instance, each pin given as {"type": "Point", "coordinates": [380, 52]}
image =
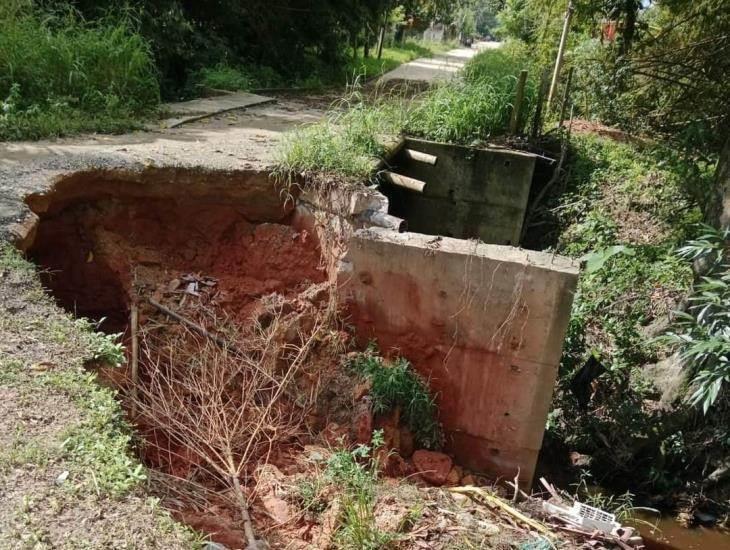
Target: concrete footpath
{"type": "Point", "coordinates": [439, 67]}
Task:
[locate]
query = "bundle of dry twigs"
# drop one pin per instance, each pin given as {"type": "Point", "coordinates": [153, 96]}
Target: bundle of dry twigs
{"type": "Point", "coordinates": [226, 396]}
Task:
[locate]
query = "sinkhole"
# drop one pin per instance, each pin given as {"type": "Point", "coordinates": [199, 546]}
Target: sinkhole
{"type": "Point", "coordinates": [102, 238]}
{"type": "Point", "coordinates": [242, 301]}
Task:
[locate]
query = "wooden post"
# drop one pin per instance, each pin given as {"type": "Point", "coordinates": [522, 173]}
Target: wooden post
{"type": "Point", "coordinates": [381, 39]}
{"type": "Point", "coordinates": [537, 121]}
{"type": "Point", "coordinates": [133, 324]}
{"type": "Point", "coordinates": [561, 51]}
{"type": "Point", "coordinates": [517, 107]}
{"type": "Point", "coordinates": [566, 96]}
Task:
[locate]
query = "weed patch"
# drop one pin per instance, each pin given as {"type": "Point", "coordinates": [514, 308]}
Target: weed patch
{"type": "Point", "coordinates": [357, 472]}
{"type": "Point", "coordinates": [349, 142]}
{"type": "Point", "coordinates": [395, 384]}
{"type": "Point", "coordinates": [354, 136]}
{"type": "Point", "coordinates": [478, 105]}
{"type": "Point", "coordinates": [61, 75]}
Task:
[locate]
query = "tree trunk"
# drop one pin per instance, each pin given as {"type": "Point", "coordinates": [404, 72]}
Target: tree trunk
{"type": "Point", "coordinates": [630, 8]}
{"type": "Point", "coordinates": [718, 212]}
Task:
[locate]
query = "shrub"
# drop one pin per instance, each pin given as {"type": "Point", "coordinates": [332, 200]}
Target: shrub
{"type": "Point", "coordinates": [702, 333]}
{"type": "Point", "coordinates": [57, 69]}
{"type": "Point", "coordinates": [356, 471]}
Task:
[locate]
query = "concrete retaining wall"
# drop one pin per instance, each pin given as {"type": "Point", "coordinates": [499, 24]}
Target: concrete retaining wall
{"type": "Point", "coordinates": [485, 323]}
{"type": "Point", "coordinates": [470, 193]}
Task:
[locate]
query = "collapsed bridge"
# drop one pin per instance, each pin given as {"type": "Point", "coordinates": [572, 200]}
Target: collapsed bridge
{"type": "Point", "coordinates": [483, 321]}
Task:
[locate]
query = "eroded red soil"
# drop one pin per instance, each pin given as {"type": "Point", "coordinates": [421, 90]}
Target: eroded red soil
{"type": "Point", "coordinates": [96, 253]}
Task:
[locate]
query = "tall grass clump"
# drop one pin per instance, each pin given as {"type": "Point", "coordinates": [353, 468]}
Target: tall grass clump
{"type": "Point", "coordinates": [478, 105]}
{"type": "Point", "coordinates": [60, 74]}
{"type": "Point", "coordinates": [396, 384]}
{"type": "Point", "coordinates": [475, 106]}
{"type": "Point", "coordinates": [348, 142]}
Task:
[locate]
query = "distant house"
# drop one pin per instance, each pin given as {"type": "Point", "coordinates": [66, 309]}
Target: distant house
{"type": "Point", "coordinates": [434, 33]}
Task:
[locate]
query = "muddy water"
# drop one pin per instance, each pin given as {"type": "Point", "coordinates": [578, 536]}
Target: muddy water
{"type": "Point", "coordinates": [670, 535]}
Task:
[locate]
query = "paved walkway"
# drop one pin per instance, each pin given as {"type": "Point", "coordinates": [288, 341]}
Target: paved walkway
{"type": "Point", "coordinates": [439, 67]}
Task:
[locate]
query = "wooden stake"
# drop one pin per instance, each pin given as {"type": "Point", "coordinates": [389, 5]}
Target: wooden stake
{"type": "Point", "coordinates": [561, 51]}
{"type": "Point", "coordinates": [537, 121]}
{"type": "Point", "coordinates": [566, 97]}
{"type": "Point", "coordinates": [381, 39]}
{"type": "Point", "coordinates": [133, 326]}
{"type": "Point", "coordinates": [517, 107]}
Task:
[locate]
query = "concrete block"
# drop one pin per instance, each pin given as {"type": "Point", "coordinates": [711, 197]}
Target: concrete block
{"type": "Point", "coordinates": [484, 323]}
{"type": "Point", "coordinates": [470, 192]}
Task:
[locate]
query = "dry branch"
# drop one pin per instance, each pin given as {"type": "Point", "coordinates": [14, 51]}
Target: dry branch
{"type": "Point", "coordinates": [495, 502]}
{"type": "Point", "coordinates": [186, 393]}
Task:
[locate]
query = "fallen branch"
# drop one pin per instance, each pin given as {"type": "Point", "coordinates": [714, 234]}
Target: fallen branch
{"type": "Point", "coordinates": [495, 502]}
{"type": "Point", "coordinates": [551, 490]}
{"type": "Point", "coordinates": [193, 326]}
{"type": "Point", "coordinates": [553, 180]}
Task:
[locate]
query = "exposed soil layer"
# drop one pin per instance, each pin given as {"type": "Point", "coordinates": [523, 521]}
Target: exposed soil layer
{"type": "Point", "coordinates": [98, 248]}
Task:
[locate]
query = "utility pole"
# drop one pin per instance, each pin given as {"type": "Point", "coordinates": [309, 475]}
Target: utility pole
{"type": "Point", "coordinates": [561, 51]}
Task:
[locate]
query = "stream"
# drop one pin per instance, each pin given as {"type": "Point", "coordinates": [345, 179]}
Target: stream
{"type": "Point", "coordinates": [670, 535]}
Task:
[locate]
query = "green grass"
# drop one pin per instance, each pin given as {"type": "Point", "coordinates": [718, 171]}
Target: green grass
{"type": "Point", "coordinates": [348, 142]}
{"type": "Point", "coordinates": [87, 436]}
{"type": "Point", "coordinates": [353, 137]}
{"type": "Point", "coordinates": [479, 105]}
{"type": "Point", "coordinates": [60, 75]}
{"type": "Point", "coordinates": [396, 384]}
{"type": "Point", "coordinates": [624, 195]}
{"type": "Point", "coordinates": [356, 473]}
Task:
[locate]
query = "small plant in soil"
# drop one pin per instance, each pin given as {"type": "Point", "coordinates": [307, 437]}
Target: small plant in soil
{"type": "Point", "coordinates": [309, 494]}
{"type": "Point", "coordinates": [103, 348]}
{"type": "Point", "coordinates": [357, 471]}
{"type": "Point", "coordinates": [396, 384]}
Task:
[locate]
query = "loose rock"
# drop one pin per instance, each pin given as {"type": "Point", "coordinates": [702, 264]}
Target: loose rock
{"type": "Point", "coordinates": [432, 466]}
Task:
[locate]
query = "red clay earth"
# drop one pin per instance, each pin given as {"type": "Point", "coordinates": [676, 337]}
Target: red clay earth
{"type": "Point", "coordinates": [95, 252]}
{"type": "Point", "coordinates": [101, 254]}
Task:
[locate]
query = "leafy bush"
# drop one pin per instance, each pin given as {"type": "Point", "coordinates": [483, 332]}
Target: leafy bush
{"type": "Point", "coordinates": [623, 208]}
{"type": "Point", "coordinates": [55, 69]}
{"type": "Point", "coordinates": [703, 331]}
{"type": "Point", "coordinates": [395, 384]}
{"type": "Point", "coordinates": [103, 348]}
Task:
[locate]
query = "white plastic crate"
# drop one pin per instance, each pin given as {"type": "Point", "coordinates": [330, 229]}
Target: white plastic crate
{"type": "Point", "coordinates": [593, 518]}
